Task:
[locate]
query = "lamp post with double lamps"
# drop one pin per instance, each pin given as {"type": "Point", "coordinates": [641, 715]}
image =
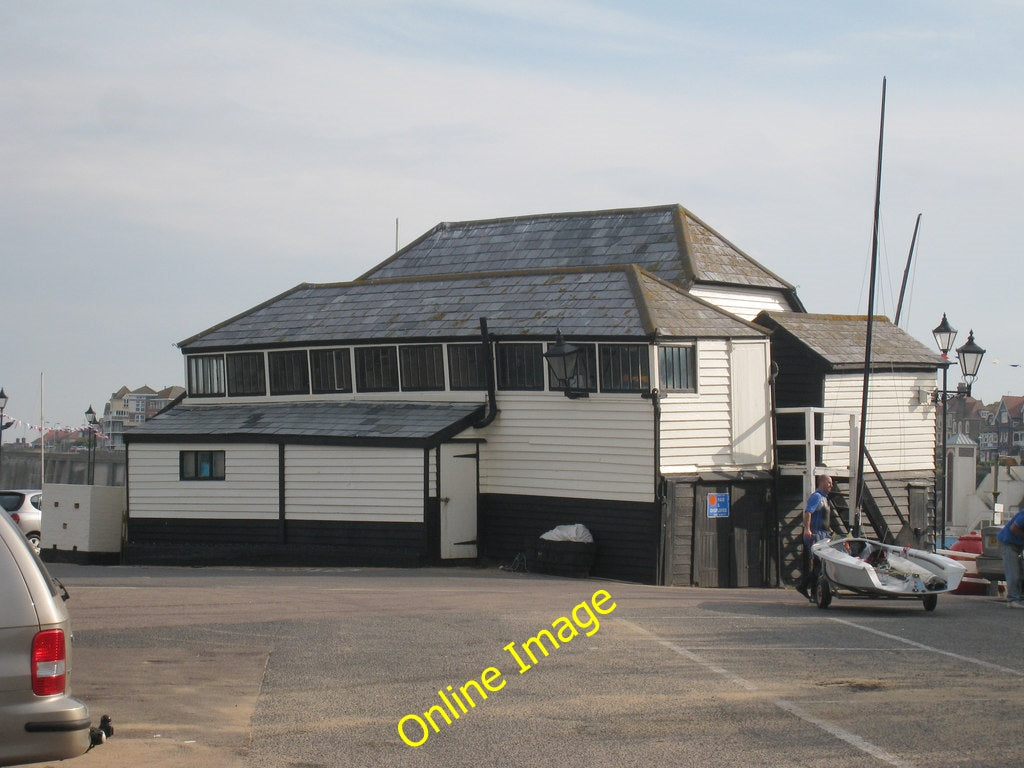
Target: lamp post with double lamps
{"type": "Point", "coordinates": [3, 404]}
{"type": "Point", "coordinates": [969, 356]}
{"type": "Point", "coordinates": [90, 466]}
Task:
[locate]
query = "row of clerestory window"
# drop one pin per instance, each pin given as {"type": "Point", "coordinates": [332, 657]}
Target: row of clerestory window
{"type": "Point", "coordinates": [433, 367]}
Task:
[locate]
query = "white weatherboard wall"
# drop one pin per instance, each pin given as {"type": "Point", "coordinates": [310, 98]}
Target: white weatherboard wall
{"type": "Point", "coordinates": [349, 483]}
{"type": "Point", "coordinates": [900, 433]}
{"type": "Point", "coordinates": [544, 444]}
{"type": "Point", "coordinates": [718, 427]}
{"type": "Point", "coordinates": [249, 490]}
{"type": "Point", "coordinates": [747, 304]}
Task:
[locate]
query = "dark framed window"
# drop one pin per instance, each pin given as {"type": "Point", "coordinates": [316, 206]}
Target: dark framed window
{"type": "Point", "coordinates": [625, 367]}
{"type": "Point", "coordinates": [331, 370]}
{"type": "Point", "coordinates": [377, 369]}
{"type": "Point", "coordinates": [520, 366]}
{"type": "Point", "coordinates": [201, 465]}
{"type": "Point", "coordinates": [466, 368]}
{"type": "Point", "coordinates": [289, 372]}
{"type": "Point", "coordinates": [586, 376]}
{"type": "Point", "coordinates": [206, 375]}
{"type": "Point", "coordinates": [246, 374]}
{"type": "Point", "coordinates": [677, 368]}
{"type": "Point", "coordinates": [422, 367]}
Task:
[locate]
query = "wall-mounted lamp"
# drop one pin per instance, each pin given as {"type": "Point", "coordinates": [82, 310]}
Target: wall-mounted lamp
{"type": "Point", "coordinates": [568, 366]}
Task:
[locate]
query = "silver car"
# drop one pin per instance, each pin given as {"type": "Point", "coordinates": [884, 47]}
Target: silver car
{"type": "Point", "coordinates": [26, 509]}
{"type": "Point", "coordinates": [39, 718]}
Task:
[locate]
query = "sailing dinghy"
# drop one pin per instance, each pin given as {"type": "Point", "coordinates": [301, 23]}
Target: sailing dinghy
{"type": "Point", "coordinates": [867, 568]}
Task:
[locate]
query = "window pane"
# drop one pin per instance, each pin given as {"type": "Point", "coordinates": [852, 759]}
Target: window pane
{"type": "Point", "coordinates": [422, 367]}
{"type": "Point", "coordinates": [520, 366]}
{"type": "Point", "coordinates": [586, 376]}
{"type": "Point", "coordinates": [332, 370]}
{"type": "Point", "coordinates": [201, 465]}
{"type": "Point", "coordinates": [466, 366]}
{"type": "Point", "coordinates": [246, 375]}
{"type": "Point", "coordinates": [289, 373]}
{"type": "Point", "coordinates": [624, 368]}
{"type": "Point", "coordinates": [677, 368]}
{"type": "Point", "coordinates": [205, 375]}
{"type": "Point", "coordinates": [377, 369]}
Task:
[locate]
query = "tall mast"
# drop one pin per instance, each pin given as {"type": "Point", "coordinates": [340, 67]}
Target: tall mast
{"type": "Point", "coordinates": [859, 497]}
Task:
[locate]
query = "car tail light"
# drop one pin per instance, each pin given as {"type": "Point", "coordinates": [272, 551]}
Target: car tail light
{"type": "Point", "coordinates": [49, 662]}
{"type": "Point", "coordinates": [15, 517]}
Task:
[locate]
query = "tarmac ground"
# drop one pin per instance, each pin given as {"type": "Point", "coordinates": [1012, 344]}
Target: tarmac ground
{"type": "Point", "coordinates": [471, 667]}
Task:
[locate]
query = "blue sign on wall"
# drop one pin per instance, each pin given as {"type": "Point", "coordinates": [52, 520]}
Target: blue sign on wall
{"type": "Point", "coordinates": [718, 505]}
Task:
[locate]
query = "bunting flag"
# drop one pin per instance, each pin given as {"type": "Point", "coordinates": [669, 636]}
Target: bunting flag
{"type": "Point", "coordinates": [58, 428]}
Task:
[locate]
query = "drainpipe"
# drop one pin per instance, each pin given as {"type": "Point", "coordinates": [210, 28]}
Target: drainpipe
{"type": "Point", "coordinates": [776, 473]}
{"type": "Point", "coordinates": [492, 397]}
{"type": "Point", "coordinates": [659, 483]}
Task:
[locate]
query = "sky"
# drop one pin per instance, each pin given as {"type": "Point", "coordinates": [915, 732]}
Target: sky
{"type": "Point", "coordinates": [167, 166]}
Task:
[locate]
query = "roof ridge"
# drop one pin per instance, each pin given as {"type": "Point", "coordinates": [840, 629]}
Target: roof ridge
{"type": "Point", "coordinates": [598, 268]}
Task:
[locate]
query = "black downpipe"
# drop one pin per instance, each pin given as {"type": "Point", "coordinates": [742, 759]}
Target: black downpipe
{"type": "Point", "coordinates": [776, 472]}
{"type": "Point", "coordinates": [282, 496]}
{"type": "Point", "coordinates": [492, 397]}
{"type": "Point", "coordinates": [660, 494]}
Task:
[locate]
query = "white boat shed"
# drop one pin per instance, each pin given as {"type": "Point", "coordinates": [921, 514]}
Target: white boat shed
{"type": "Point", "coordinates": [408, 417]}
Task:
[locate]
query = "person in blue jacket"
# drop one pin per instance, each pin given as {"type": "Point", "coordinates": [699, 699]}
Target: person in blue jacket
{"type": "Point", "coordinates": [1011, 542]}
{"type": "Point", "coordinates": [816, 519]}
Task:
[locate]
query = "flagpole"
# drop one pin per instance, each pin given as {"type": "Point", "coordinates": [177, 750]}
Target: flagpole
{"type": "Point", "coordinates": [42, 430]}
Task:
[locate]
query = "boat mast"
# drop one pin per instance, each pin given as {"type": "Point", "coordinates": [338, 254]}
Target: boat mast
{"type": "Point", "coordinates": [906, 271]}
{"type": "Point", "coordinates": [859, 497]}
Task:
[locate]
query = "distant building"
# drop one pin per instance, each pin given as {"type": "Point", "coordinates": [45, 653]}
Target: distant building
{"type": "Point", "coordinates": [1001, 432]}
{"type": "Point", "coordinates": [128, 407]}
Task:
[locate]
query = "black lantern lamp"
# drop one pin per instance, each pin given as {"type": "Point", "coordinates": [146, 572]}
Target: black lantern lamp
{"type": "Point", "coordinates": [970, 355]}
{"type": "Point", "coordinates": [567, 364]}
{"type": "Point", "coordinates": [944, 335]}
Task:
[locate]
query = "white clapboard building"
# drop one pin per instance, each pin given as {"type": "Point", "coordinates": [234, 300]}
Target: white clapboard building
{"type": "Point", "coordinates": [412, 416]}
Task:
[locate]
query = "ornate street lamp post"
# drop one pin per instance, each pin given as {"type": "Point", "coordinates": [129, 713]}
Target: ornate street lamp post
{"type": "Point", "coordinates": [90, 470]}
{"type": "Point", "coordinates": [3, 404]}
{"type": "Point", "coordinates": [969, 356]}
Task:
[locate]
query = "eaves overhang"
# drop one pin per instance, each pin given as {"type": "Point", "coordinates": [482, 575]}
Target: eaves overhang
{"type": "Point", "coordinates": [346, 423]}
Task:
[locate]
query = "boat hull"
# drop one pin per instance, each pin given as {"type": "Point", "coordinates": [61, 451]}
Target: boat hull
{"type": "Point", "coordinates": [871, 568]}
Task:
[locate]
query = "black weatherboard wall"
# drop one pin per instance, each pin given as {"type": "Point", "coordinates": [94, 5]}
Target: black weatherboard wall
{"type": "Point", "coordinates": [625, 533]}
{"type": "Point", "coordinates": [270, 542]}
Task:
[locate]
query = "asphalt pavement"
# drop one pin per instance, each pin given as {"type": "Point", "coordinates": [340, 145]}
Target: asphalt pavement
{"type": "Point", "coordinates": [320, 667]}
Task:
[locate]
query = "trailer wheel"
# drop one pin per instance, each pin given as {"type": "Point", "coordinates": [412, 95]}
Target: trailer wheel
{"type": "Point", "coordinates": [929, 602]}
{"type": "Point", "coordinates": [823, 593]}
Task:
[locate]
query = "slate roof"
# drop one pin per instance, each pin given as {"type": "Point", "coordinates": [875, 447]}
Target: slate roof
{"type": "Point", "coordinates": [608, 302]}
{"type": "Point", "coordinates": [839, 340]}
{"type": "Point", "coordinates": [374, 422]}
{"type": "Point", "coordinates": [667, 241]}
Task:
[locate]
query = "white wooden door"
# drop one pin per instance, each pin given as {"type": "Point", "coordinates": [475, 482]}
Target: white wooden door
{"type": "Point", "coordinates": [458, 494]}
{"type": "Point", "coordinates": [751, 404]}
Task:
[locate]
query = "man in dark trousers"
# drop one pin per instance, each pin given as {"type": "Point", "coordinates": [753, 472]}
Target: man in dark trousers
{"type": "Point", "coordinates": [816, 521]}
{"type": "Point", "coordinates": [1011, 541]}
